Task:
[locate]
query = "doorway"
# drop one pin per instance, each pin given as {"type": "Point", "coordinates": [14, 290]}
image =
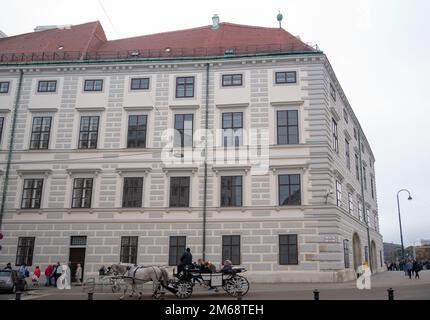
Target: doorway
{"type": "Point", "coordinates": [77, 255]}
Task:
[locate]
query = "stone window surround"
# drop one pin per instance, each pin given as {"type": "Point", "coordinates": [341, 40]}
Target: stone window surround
{"type": "Point", "coordinates": [286, 106]}
{"type": "Point", "coordinates": [43, 174]}
{"type": "Point", "coordinates": [180, 171]}
{"type": "Point", "coordinates": [128, 172]}
{"type": "Point", "coordinates": [277, 170]}
{"type": "Point", "coordinates": [41, 112]}
{"type": "Point", "coordinates": [138, 111]}
{"type": "Point", "coordinates": [225, 108]}
{"type": "Point", "coordinates": [4, 136]}
{"type": "Point", "coordinates": [73, 173]}
{"type": "Point", "coordinates": [88, 112]}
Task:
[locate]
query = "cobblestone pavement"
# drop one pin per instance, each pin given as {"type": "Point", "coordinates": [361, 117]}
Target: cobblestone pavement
{"type": "Point", "coordinates": [404, 289]}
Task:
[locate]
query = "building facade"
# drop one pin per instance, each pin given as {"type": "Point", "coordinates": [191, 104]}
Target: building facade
{"type": "Point", "coordinates": [283, 182]}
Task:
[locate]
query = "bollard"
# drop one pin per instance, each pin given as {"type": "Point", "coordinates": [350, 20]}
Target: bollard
{"type": "Point", "coordinates": [316, 294]}
{"type": "Point", "coordinates": [390, 294]}
{"type": "Point", "coordinates": [18, 295]}
{"type": "Point", "coordinates": [90, 295]}
{"type": "Point", "coordinates": [239, 295]}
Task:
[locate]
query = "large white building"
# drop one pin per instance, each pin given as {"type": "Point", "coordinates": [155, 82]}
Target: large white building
{"type": "Point", "coordinates": [90, 174]}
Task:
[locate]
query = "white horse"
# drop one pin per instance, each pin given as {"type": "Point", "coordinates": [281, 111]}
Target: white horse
{"type": "Point", "coordinates": [133, 275]}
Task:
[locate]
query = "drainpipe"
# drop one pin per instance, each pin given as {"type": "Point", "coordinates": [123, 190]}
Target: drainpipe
{"type": "Point", "coordinates": [369, 247]}
{"type": "Point", "coordinates": [205, 188]}
{"type": "Point", "coordinates": [10, 149]}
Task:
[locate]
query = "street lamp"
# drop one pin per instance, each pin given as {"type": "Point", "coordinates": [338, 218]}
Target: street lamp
{"type": "Point", "coordinates": [400, 220]}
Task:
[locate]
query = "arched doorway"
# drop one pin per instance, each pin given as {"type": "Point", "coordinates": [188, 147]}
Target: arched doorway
{"type": "Point", "coordinates": [356, 251]}
{"type": "Point", "coordinates": [373, 256]}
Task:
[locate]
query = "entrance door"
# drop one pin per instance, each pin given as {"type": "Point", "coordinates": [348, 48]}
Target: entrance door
{"type": "Point", "coordinates": [77, 255]}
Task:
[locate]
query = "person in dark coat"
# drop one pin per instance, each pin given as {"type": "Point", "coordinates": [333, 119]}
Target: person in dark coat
{"type": "Point", "coordinates": [186, 260]}
{"type": "Point", "coordinates": [416, 268]}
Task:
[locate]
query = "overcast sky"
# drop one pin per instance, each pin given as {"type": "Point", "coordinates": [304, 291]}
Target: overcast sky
{"type": "Point", "coordinates": [379, 49]}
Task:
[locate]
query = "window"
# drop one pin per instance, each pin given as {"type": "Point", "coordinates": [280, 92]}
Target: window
{"type": "Point", "coordinates": [184, 87]}
{"type": "Point", "coordinates": [347, 155]}
{"type": "Point", "coordinates": [286, 77]}
{"type": "Point", "coordinates": [230, 80]}
{"type": "Point", "coordinates": [88, 132]}
{"type": "Point", "coordinates": [82, 192]}
{"type": "Point", "coordinates": [372, 189]}
{"type": "Point", "coordinates": [40, 133]}
{"type": "Point", "coordinates": [136, 137]}
{"type": "Point", "coordinates": [368, 216]}
{"type": "Point", "coordinates": [1, 127]}
{"type": "Point", "coordinates": [355, 134]}
{"type": "Point", "coordinates": [139, 84]}
{"type": "Point", "coordinates": [128, 250]}
{"type": "Point", "coordinates": [4, 87]}
{"type": "Point", "coordinates": [350, 204]}
{"type": "Point", "coordinates": [47, 86]}
{"type": "Point", "coordinates": [32, 194]}
{"type": "Point", "coordinates": [184, 130]}
{"type": "Point", "coordinates": [232, 125]}
{"type": "Point", "coordinates": [288, 251]}
{"type": "Point", "coordinates": [360, 211]}
{"type": "Point", "coordinates": [179, 191]}
{"type": "Point", "coordinates": [357, 170]}
{"type": "Point", "coordinates": [289, 189]}
{"type": "Point", "coordinates": [132, 193]}
{"type": "Point", "coordinates": [80, 241]}
{"type": "Point", "coordinates": [287, 127]}
{"type": "Point", "coordinates": [176, 249]}
{"type": "Point", "coordinates": [338, 194]}
{"type": "Point", "coordinates": [93, 85]}
{"type": "Point", "coordinates": [346, 253]}
{"type": "Point", "coordinates": [364, 178]}
{"type": "Point", "coordinates": [231, 191]}
{"type": "Point", "coordinates": [366, 253]}
{"type": "Point", "coordinates": [345, 115]}
{"type": "Point", "coordinates": [24, 253]}
{"type": "Point", "coordinates": [380, 257]}
{"type": "Point", "coordinates": [332, 92]}
{"type": "Point", "coordinates": [335, 136]}
{"type": "Point", "coordinates": [231, 249]}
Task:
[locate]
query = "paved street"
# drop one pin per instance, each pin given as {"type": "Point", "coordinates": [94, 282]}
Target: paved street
{"type": "Point", "coordinates": [405, 289]}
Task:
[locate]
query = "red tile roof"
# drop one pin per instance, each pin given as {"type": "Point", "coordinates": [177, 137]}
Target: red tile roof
{"type": "Point", "coordinates": [88, 41]}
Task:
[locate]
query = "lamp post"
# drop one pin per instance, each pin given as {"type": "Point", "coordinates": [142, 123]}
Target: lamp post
{"type": "Point", "coordinates": [400, 220]}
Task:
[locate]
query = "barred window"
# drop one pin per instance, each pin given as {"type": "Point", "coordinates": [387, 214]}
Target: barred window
{"type": "Point", "coordinates": [139, 83]}
{"type": "Point", "coordinates": [4, 87]}
{"type": "Point", "coordinates": [232, 127]}
{"type": "Point", "coordinates": [176, 249]}
{"type": "Point", "coordinates": [132, 192]}
{"type": "Point", "coordinates": [47, 86]}
{"type": "Point", "coordinates": [40, 133]}
{"type": "Point", "coordinates": [231, 191]}
{"type": "Point", "coordinates": [78, 241]}
{"type": "Point", "coordinates": [346, 253]}
{"type": "Point", "coordinates": [82, 192]}
{"type": "Point", "coordinates": [32, 194]}
{"type": "Point", "coordinates": [286, 77]}
{"type": "Point", "coordinates": [24, 253]}
{"type": "Point", "coordinates": [136, 137]}
{"type": "Point", "coordinates": [93, 85]}
{"type": "Point", "coordinates": [184, 87]}
{"type": "Point", "coordinates": [230, 80]}
{"type": "Point", "coordinates": [179, 191]}
{"type": "Point", "coordinates": [287, 127]}
{"type": "Point", "coordinates": [289, 189]}
{"type": "Point", "coordinates": [88, 132]}
{"type": "Point", "coordinates": [288, 250]}
{"type": "Point", "coordinates": [129, 250]}
{"type": "Point", "coordinates": [231, 249]}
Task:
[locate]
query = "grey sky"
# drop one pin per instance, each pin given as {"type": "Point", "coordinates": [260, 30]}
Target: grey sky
{"type": "Point", "coordinates": [379, 50]}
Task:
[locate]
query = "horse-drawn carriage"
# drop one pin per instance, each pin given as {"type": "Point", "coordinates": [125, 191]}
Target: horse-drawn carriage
{"type": "Point", "coordinates": [120, 277]}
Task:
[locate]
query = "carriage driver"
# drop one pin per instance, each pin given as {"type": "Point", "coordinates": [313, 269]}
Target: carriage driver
{"type": "Point", "coordinates": [186, 260]}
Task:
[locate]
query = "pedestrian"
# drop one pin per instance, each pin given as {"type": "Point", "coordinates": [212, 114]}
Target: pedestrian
{"type": "Point", "coordinates": [35, 277]}
{"type": "Point", "coordinates": [408, 268]}
{"type": "Point", "coordinates": [57, 272]}
{"type": "Point", "coordinates": [416, 268]}
{"type": "Point", "coordinates": [186, 260]}
{"type": "Point", "coordinates": [48, 275]}
{"type": "Point", "coordinates": [23, 271]}
{"type": "Point", "coordinates": [8, 266]}
{"type": "Point", "coordinates": [78, 273]}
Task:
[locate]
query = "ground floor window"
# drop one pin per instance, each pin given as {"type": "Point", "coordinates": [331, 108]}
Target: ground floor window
{"type": "Point", "coordinates": [231, 249]}
{"type": "Point", "coordinates": [24, 254]}
{"type": "Point", "coordinates": [176, 249]}
{"type": "Point", "coordinates": [288, 251]}
{"type": "Point", "coordinates": [129, 250]}
{"type": "Point", "coordinates": [346, 253]}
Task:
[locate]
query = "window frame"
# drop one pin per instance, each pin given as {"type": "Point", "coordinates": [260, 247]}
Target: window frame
{"type": "Point", "coordinates": [129, 249]}
{"type": "Point", "coordinates": [232, 130]}
{"type": "Point", "coordinates": [2, 83]}
{"type": "Point", "coordinates": [286, 73]}
{"type": "Point", "coordinates": [139, 187]}
{"type": "Point", "coordinates": [287, 127]}
{"type": "Point", "coordinates": [335, 136]}
{"type": "Point", "coordinates": [82, 197]}
{"type": "Point", "coordinates": [33, 189]}
{"type": "Point", "coordinates": [346, 253]}
{"type": "Point", "coordinates": [178, 249]}
{"type": "Point", "coordinates": [185, 85]}
{"type": "Point", "coordinates": [88, 140]}
{"type": "Point", "coordinates": [232, 76]}
{"type": "Point", "coordinates": [40, 132]}
{"type": "Point", "coordinates": [141, 80]}
{"type": "Point", "coordinates": [47, 87]}
{"type": "Point", "coordinates": [289, 188]}
{"type": "Point", "coordinates": [333, 92]}
{"type": "Point", "coordinates": [93, 87]}
{"type": "Point", "coordinates": [233, 246]}
{"type": "Point", "coordinates": [183, 130]}
{"type": "Point", "coordinates": [357, 167]}
{"type": "Point", "coordinates": [347, 155]}
{"type": "Point", "coordinates": [144, 116]}
{"type": "Point", "coordinates": [286, 260]}
{"type": "Point", "coordinates": [28, 251]}
{"type": "Point", "coordinates": [180, 201]}
{"type": "Point", "coordinates": [338, 194]}
{"type": "Point", "coordinates": [350, 203]}
{"type": "Point", "coordinates": [233, 185]}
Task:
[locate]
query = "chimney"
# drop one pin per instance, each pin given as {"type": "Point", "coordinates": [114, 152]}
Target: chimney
{"type": "Point", "coordinates": [215, 22]}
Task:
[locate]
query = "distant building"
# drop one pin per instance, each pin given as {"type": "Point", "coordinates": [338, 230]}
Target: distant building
{"type": "Point", "coordinates": [422, 252]}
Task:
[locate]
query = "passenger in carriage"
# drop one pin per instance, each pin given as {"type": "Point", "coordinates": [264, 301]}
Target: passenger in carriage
{"type": "Point", "coordinates": [227, 267]}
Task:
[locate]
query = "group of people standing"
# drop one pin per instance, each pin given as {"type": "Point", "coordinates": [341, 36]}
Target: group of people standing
{"type": "Point", "coordinates": [410, 267]}
{"type": "Point", "coordinates": [413, 267]}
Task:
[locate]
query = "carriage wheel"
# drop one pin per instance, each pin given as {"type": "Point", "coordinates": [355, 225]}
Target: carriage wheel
{"type": "Point", "coordinates": [235, 284]}
{"type": "Point", "coordinates": [185, 289]}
